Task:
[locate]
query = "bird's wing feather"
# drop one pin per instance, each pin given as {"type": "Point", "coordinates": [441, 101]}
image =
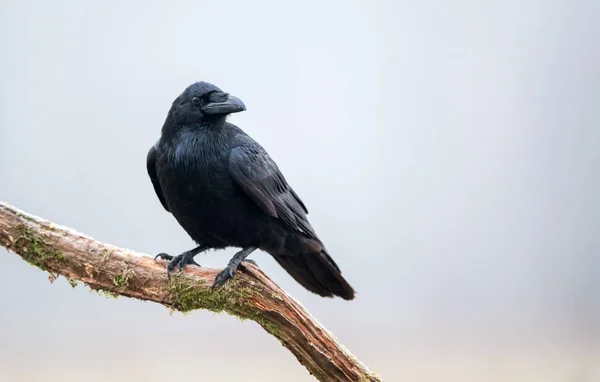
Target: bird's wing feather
{"type": "Point", "coordinates": [257, 174]}
{"type": "Point", "coordinates": [151, 167]}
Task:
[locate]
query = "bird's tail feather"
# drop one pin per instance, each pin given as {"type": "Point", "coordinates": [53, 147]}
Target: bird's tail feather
{"type": "Point", "coordinates": [318, 273]}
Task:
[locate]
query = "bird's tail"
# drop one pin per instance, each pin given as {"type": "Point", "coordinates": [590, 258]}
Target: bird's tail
{"type": "Point", "coordinates": [318, 273]}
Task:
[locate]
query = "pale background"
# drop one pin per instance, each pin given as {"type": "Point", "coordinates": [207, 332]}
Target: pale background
{"type": "Point", "coordinates": [448, 153]}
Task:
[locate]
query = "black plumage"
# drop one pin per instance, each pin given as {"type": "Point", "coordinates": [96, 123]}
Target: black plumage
{"type": "Point", "coordinates": [226, 191]}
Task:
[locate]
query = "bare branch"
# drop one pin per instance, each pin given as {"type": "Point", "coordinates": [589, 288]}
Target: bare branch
{"type": "Point", "coordinates": [249, 295]}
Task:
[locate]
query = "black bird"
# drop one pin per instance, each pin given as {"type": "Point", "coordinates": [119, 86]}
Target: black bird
{"type": "Point", "coordinates": [226, 191]}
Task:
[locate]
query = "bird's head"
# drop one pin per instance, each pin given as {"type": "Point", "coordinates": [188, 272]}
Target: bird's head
{"type": "Point", "coordinates": [204, 102]}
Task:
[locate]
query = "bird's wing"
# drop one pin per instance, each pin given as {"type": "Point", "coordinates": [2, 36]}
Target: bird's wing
{"type": "Point", "coordinates": [151, 167]}
{"type": "Point", "coordinates": [257, 174]}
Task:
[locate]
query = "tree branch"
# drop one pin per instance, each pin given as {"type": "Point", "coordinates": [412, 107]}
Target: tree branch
{"type": "Point", "coordinates": [115, 271]}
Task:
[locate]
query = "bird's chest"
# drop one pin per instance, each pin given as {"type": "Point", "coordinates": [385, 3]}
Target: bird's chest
{"type": "Point", "coordinates": [195, 173]}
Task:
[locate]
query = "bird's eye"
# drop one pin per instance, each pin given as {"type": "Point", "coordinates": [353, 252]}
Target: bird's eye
{"type": "Point", "coordinates": [195, 100]}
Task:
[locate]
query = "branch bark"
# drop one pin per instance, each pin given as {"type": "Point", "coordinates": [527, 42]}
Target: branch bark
{"type": "Point", "coordinates": [115, 271]}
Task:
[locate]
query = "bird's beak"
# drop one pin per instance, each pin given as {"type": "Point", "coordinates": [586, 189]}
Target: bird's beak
{"type": "Point", "coordinates": [231, 104]}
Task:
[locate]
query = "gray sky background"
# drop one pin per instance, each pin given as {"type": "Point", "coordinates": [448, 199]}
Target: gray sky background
{"type": "Point", "coordinates": [448, 155]}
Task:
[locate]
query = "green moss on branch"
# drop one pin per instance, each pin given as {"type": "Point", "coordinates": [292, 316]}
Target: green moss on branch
{"type": "Point", "coordinates": [33, 250]}
{"type": "Point", "coordinates": [231, 298]}
{"type": "Point", "coordinates": [122, 281]}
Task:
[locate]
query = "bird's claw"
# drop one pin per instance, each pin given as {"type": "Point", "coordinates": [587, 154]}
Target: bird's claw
{"type": "Point", "coordinates": [222, 277]}
{"type": "Point", "coordinates": [163, 256]}
{"type": "Point", "coordinates": [179, 261]}
{"type": "Point", "coordinates": [250, 261]}
{"type": "Point", "coordinates": [227, 274]}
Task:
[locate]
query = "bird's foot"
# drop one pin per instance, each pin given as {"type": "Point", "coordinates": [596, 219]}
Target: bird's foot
{"type": "Point", "coordinates": [179, 261]}
{"type": "Point", "coordinates": [250, 261]}
{"type": "Point", "coordinates": [233, 265]}
{"type": "Point", "coordinates": [223, 276]}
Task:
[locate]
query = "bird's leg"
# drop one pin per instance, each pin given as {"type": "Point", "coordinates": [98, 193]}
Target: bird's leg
{"type": "Point", "coordinates": [182, 260]}
{"type": "Point", "coordinates": [233, 265]}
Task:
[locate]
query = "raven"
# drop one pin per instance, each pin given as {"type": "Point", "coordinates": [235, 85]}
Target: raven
{"type": "Point", "coordinates": [224, 190]}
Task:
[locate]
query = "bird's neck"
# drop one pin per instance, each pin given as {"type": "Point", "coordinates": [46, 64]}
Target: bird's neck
{"type": "Point", "coordinates": [171, 128]}
{"type": "Point", "coordinates": [203, 134]}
